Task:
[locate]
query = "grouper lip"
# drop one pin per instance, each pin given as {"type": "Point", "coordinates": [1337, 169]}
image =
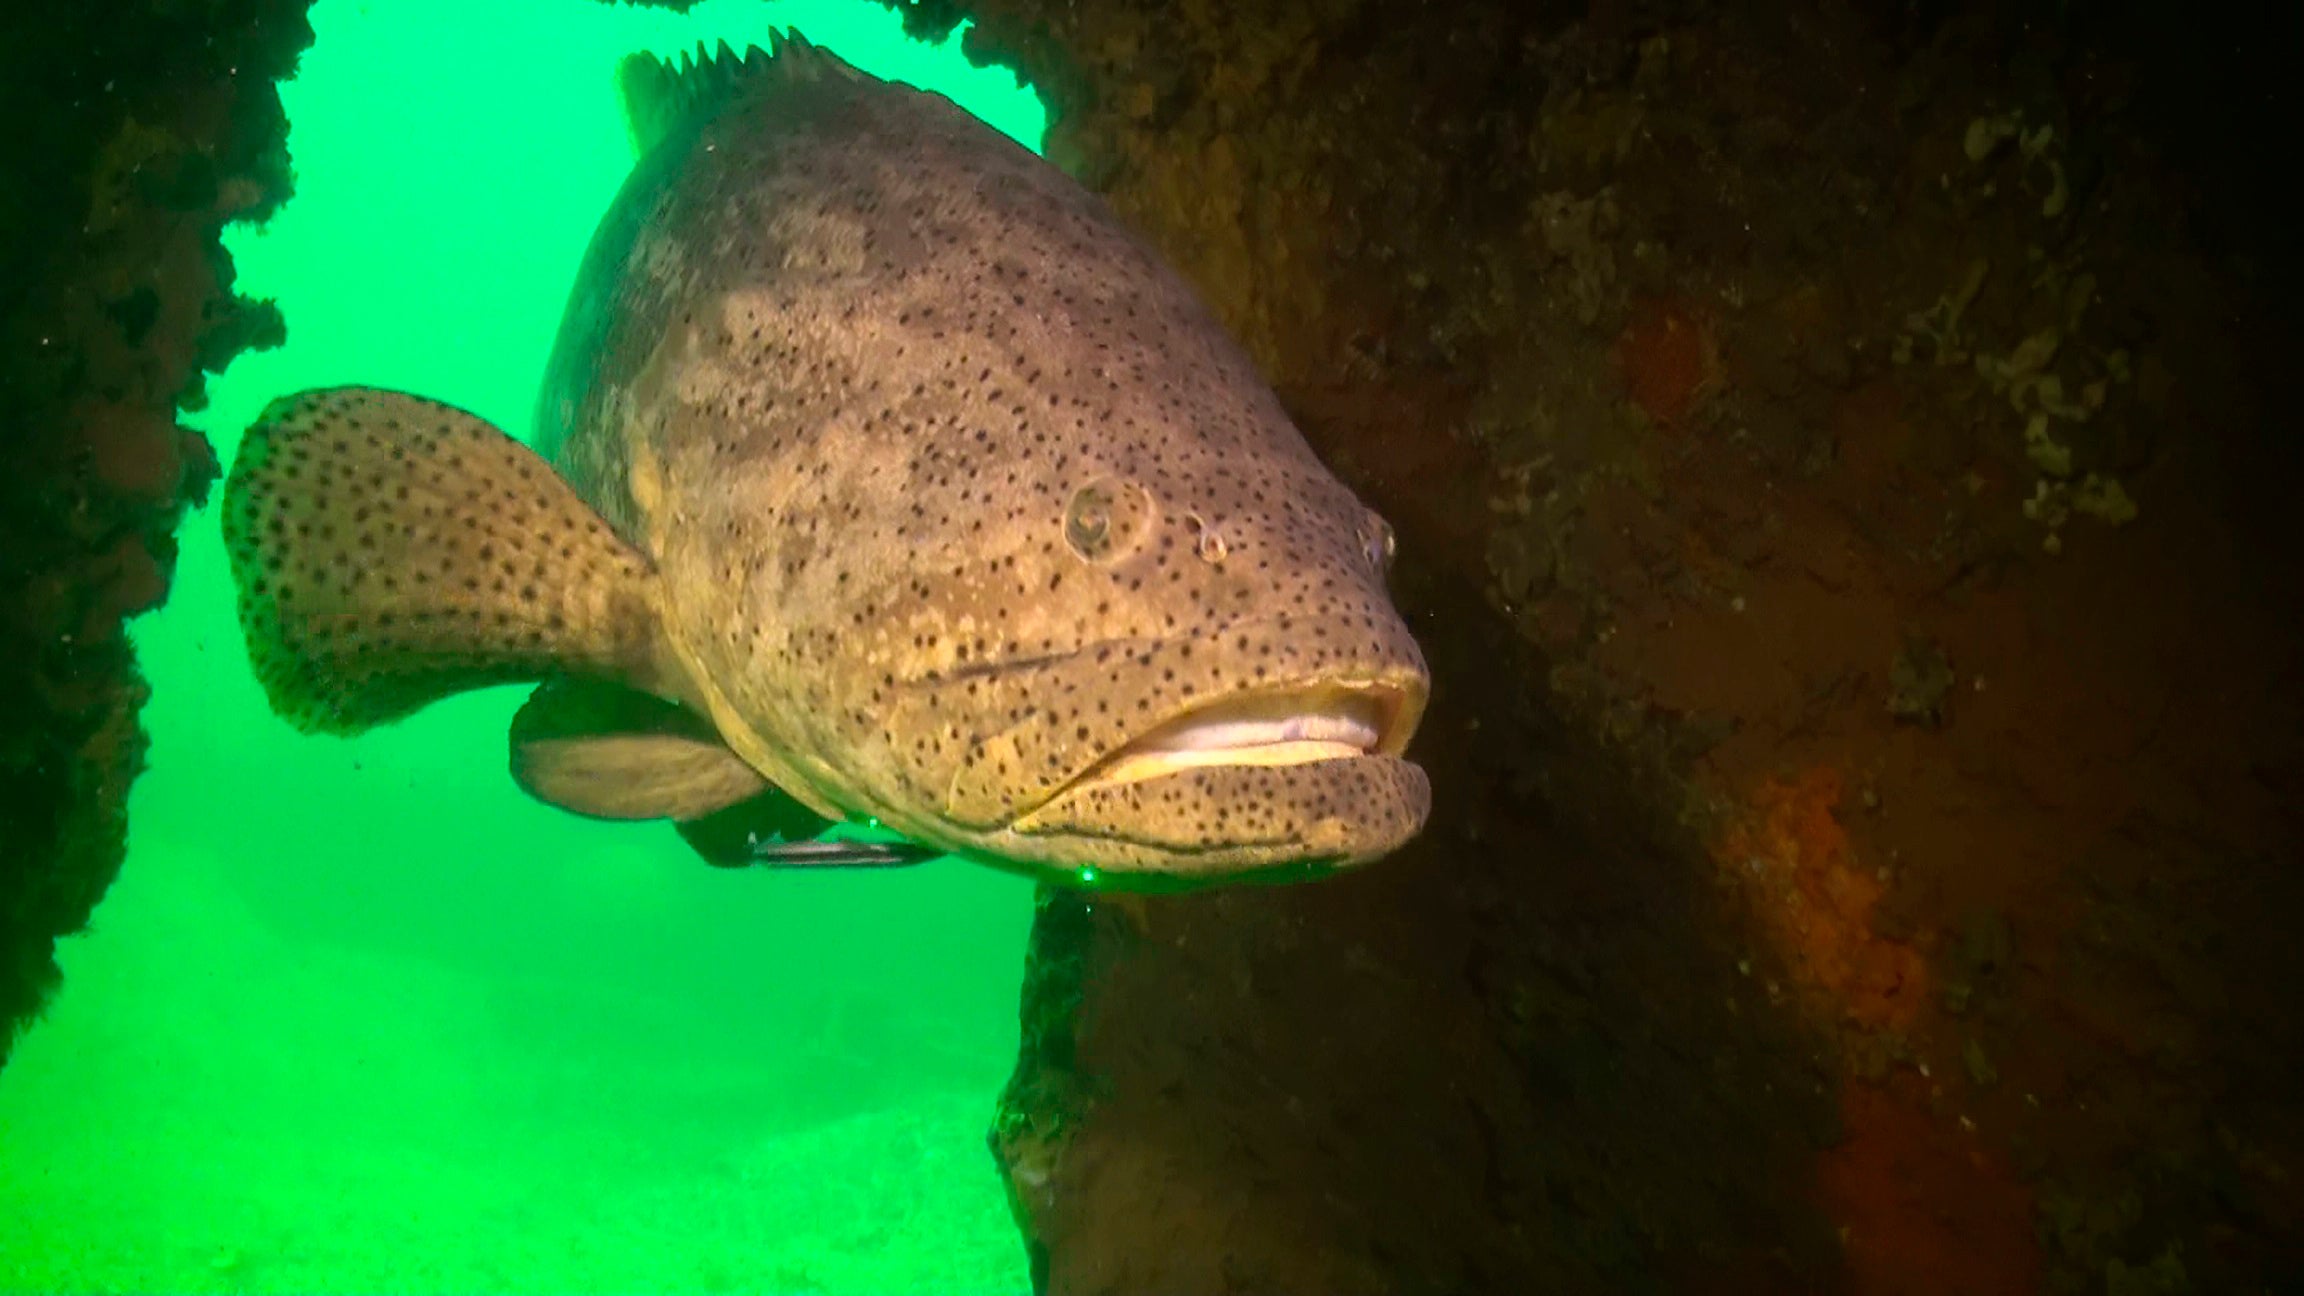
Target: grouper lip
{"type": "Point", "coordinates": [1288, 724]}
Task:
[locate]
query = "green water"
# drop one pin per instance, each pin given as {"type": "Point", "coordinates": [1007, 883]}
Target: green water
{"type": "Point", "coordinates": [358, 1017]}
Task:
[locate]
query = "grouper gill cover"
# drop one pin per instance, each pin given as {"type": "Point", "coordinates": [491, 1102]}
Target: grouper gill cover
{"type": "Point", "coordinates": [884, 477]}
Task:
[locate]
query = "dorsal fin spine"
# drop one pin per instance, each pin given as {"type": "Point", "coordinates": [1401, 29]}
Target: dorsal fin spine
{"type": "Point", "coordinates": [663, 94]}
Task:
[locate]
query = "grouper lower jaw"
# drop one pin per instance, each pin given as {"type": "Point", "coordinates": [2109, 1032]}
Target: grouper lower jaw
{"type": "Point", "coordinates": [1211, 823]}
{"type": "Point", "coordinates": [1274, 774]}
{"type": "Point", "coordinates": [1267, 780]}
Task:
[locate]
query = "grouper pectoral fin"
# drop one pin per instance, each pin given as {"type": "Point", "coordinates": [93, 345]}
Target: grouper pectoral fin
{"type": "Point", "coordinates": [610, 752]}
{"type": "Point", "coordinates": [390, 551]}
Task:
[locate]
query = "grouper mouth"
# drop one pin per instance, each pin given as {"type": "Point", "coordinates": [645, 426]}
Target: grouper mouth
{"type": "Point", "coordinates": [1306, 774]}
{"type": "Point", "coordinates": [1289, 726]}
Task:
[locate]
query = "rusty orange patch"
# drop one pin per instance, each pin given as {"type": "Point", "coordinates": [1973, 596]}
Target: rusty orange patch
{"type": "Point", "coordinates": [1670, 359]}
{"type": "Point", "coordinates": [1812, 897]}
{"type": "Point", "coordinates": [1919, 1213]}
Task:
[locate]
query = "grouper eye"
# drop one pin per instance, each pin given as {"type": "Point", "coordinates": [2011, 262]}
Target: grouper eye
{"type": "Point", "coordinates": [1104, 518]}
{"type": "Point", "coordinates": [1378, 542]}
{"type": "Point", "coordinates": [1088, 523]}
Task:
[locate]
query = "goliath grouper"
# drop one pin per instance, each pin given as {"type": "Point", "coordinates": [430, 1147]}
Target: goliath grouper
{"type": "Point", "coordinates": [881, 476]}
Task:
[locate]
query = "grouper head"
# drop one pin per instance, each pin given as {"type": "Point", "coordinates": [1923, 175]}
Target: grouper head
{"type": "Point", "coordinates": [1147, 641]}
{"type": "Point", "coordinates": [1181, 664]}
{"type": "Point", "coordinates": [971, 518]}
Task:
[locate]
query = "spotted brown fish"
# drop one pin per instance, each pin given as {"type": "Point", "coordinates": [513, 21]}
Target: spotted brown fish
{"type": "Point", "coordinates": [881, 472]}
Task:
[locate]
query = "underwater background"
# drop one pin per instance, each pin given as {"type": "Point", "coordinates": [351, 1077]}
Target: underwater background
{"type": "Point", "coordinates": [358, 1015]}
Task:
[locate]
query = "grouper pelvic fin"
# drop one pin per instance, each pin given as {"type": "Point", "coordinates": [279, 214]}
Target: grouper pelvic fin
{"type": "Point", "coordinates": [390, 551]}
{"type": "Point", "coordinates": [662, 96]}
{"type": "Point", "coordinates": [615, 753]}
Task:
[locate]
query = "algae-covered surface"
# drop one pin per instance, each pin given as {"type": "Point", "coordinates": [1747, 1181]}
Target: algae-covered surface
{"type": "Point", "coordinates": [358, 1016]}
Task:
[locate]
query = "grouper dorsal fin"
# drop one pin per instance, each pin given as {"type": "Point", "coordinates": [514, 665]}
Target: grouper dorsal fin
{"type": "Point", "coordinates": [662, 96]}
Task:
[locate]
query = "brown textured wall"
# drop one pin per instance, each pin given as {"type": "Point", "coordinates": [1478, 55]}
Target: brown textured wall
{"type": "Point", "coordinates": [134, 132]}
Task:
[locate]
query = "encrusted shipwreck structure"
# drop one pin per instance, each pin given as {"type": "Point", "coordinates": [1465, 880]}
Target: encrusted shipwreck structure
{"type": "Point", "coordinates": [137, 132]}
